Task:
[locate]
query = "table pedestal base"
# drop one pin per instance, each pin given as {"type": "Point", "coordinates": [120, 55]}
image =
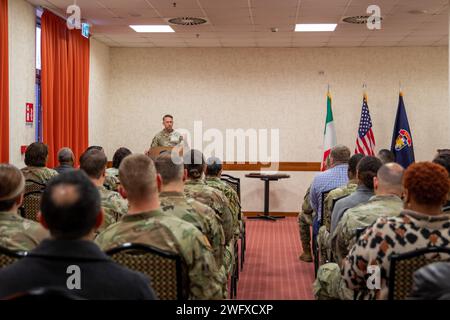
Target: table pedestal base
{"type": "Point", "coordinates": [264, 217]}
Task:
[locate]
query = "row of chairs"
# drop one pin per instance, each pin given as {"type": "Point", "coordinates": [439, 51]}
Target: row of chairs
{"type": "Point", "coordinates": [145, 256]}
{"type": "Point", "coordinates": [166, 270]}
{"type": "Point", "coordinates": [32, 199]}
{"type": "Point", "coordinates": [235, 183]}
{"type": "Point", "coordinates": [170, 280]}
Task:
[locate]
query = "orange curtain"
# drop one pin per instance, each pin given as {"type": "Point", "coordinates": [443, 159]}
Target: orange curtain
{"type": "Point", "coordinates": [4, 83]}
{"type": "Point", "coordinates": [65, 87]}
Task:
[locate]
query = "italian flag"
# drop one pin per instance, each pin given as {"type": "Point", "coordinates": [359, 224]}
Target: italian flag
{"type": "Point", "coordinates": [329, 139]}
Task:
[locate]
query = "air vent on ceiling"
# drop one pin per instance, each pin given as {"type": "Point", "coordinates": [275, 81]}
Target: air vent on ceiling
{"type": "Point", "coordinates": [187, 21]}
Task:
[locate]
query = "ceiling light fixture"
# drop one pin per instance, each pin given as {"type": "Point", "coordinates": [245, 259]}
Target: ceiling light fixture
{"type": "Point", "coordinates": [321, 27]}
{"type": "Point", "coordinates": [152, 28]}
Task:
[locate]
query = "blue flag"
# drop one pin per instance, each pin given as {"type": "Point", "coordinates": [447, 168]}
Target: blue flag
{"type": "Point", "coordinates": [402, 144]}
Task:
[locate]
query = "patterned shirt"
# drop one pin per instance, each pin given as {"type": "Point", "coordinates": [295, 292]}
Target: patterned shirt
{"type": "Point", "coordinates": [167, 139]}
{"type": "Point", "coordinates": [395, 235]}
{"type": "Point", "coordinates": [325, 181]}
{"type": "Point", "coordinates": [362, 216]}
{"type": "Point", "coordinates": [174, 235]}
{"type": "Point", "coordinates": [38, 174]}
{"type": "Point", "coordinates": [19, 234]}
{"type": "Point", "coordinates": [361, 195]}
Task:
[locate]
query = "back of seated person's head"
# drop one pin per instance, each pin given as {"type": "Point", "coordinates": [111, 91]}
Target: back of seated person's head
{"type": "Point", "coordinates": [119, 155]}
{"type": "Point", "coordinates": [70, 206]}
{"type": "Point", "coordinates": [213, 167]}
{"type": "Point", "coordinates": [91, 148]}
{"type": "Point", "coordinates": [426, 184]}
{"type": "Point", "coordinates": [442, 151]}
{"type": "Point", "coordinates": [93, 162]}
{"type": "Point", "coordinates": [138, 178]}
{"type": "Point", "coordinates": [12, 186]}
{"type": "Point", "coordinates": [390, 178]}
{"type": "Point", "coordinates": [443, 160]}
{"type": "Point", "coordinates": [65, 156]}
{"type": "Point", "coordinates": [170, 168]}
{"type": "Point", "coordinates": [386, 156]}
{"type": "Point", "coordinates": [100, 148]}
{"type": "Point", "coordinates": [36, 155]}
{"type": "Point", "coordinates": [194, 163]}
{"type": "Point", "coordinates": [367, 169]}
{"type": "Point", "coordinates": [352, 164]}
{"type": "Point", "coordinates": [339, 154]}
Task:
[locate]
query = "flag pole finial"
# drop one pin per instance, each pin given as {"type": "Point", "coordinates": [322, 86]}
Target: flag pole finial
{"type": "Point", "coordinates": [365, 90]}
{"type": "Point", "coordinates": [400, 88]}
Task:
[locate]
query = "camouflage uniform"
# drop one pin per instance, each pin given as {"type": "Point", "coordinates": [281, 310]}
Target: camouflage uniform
{"type": "Point", "coordinates": [113, 205]}
{"type": "Point", "coordinates": [362, 216]}
{"type": "Point", "coordinates": [175, 235]}
{"type": "Point", "coordinates": [112, 179]}
{"type": "Point", "coordinates": [200, 191]}
{"type": "Point", "coordinates": [233, 199]}
{"type": "Point", "coordinates": [329, 283]}
{"type": "Point", "coordinates": [201, 216]}
{"type": "Point", "coordinates": [323, 237]}
{"type": "Point", "coordinates": [305, 219]}
{"type": "Point", "coordinates": [167, 139]}
{"type": "Point", "coordinates": [19, 234]}
{"type": "Point", "coordinates": [38, 174]}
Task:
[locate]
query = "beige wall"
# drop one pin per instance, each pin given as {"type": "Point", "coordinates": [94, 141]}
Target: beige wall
{"type": "Point", "coordinates": [276, 89]}
{"type": "Point", "coordinates": [22, 74]}
{"type": "Point", "coordinates": [99, 73]}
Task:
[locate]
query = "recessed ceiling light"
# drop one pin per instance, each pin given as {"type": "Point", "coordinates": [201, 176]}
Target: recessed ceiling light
{"type": "Point", "coordinates": [321, 27]}
{"type": "Point", "coordinates": [152, 28]}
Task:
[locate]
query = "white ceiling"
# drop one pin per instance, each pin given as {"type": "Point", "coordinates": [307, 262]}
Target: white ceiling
{"type": "Point", "coordinates": [248, 23]}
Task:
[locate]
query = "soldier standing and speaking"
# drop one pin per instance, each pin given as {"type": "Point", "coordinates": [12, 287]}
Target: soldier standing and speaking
{"type": "Point", "coordinates": [167, 137]}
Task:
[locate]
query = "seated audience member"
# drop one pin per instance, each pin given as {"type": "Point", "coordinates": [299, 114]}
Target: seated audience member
{"type": "Point", "coordinates": [386, 156]}
{"type": "Point", "coordinates": [387, 202]}
{"type": "Point", "coordinates": [16, 233]}
{"type": "Point", "coordinates": [335, 176]}
{"type": "Point", "coordinates": [111, 182]}
{"type": "Point", "coordinates": [175, 203]}
{"type": "Point", "coordinates": [442, 151]}
{"type": "Point", "coordinates": [366, 170]}
{"type": "Point", "coordinates": [35, 160]}
{"type": "Point", "coordinates": [93, 162]}
{"type": "Point", "coordinates": [444, 160]}
{"type": "Point", "coordinates": [119, 155]}
{"type": "Point", "coordinates": [330, 199]}
{"type": "Point", "coordinates": [305, 219]}
{"type": "Point", "coordinates": [146, 223]}
{"type": "Point", "coordinates": [66, 160]}
{"type": "Point", "coordinates": [422, 224]}
{"type": "Point", "coordinates": [431, 282]}
{"type": "Point", "coordinates": [196, 188]}
{"type": "Point", "coordinates": [213, 174]}
{"type": "Point", "coordinates": [71, 212]}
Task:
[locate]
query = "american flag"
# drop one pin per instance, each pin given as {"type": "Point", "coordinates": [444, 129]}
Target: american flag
{"type": "Point", "coordinates": [365, 143]}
